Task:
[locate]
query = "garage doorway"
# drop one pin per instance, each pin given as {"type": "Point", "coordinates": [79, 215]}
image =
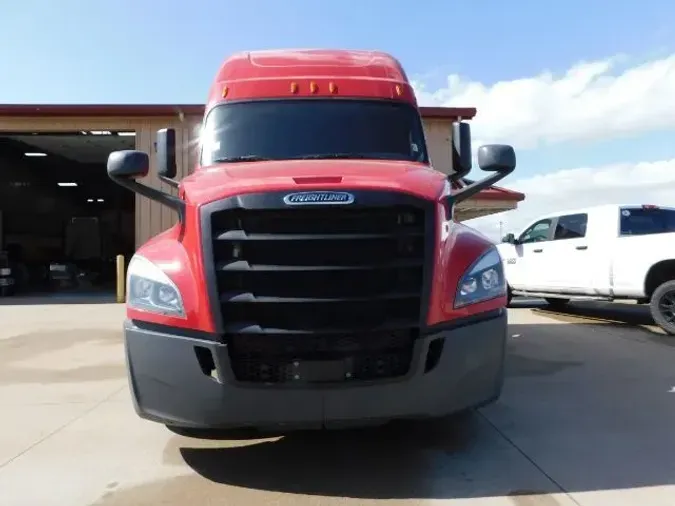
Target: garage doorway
{"type": "Point", "coordinates": [62, 220]}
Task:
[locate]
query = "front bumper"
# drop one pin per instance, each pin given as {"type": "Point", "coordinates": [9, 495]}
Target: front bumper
{"type": "Point", "coordinates": [169, 386]}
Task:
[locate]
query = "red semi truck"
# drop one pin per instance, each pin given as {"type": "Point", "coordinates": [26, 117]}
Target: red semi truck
{"type": "Point", "coordinates": [316, 276]}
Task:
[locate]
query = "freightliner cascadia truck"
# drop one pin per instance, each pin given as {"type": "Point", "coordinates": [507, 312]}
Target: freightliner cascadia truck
{"type": "Point", "coordinates": [315, 277]}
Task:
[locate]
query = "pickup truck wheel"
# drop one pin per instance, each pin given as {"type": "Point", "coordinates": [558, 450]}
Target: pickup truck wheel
{"type": "Point", "coordinates": [662, 306]}
{"type": "Point", "coordinates": [556, 303]}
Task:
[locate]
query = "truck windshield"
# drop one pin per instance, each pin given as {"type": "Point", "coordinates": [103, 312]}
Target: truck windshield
{"type": "Point", "coordinates": [312, 129]}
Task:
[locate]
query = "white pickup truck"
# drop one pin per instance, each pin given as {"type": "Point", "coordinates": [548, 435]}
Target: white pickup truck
{"type": "Point", "coordinates": [607, 252]}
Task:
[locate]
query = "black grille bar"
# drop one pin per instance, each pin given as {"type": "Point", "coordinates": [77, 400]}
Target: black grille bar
{"type": "Point", "coordinates": [281, 272]}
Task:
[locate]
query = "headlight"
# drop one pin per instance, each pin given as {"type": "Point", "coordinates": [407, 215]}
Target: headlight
{"type": "Point", "coordinates": [150, 289]}
{"type": "Point", "coordinates": [484, 280]}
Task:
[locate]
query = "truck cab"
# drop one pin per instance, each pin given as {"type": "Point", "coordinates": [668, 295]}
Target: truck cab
{"type": "Point", "coordinates": [607, 252]}
{"type": "Point", "coordinates": [315, 277]}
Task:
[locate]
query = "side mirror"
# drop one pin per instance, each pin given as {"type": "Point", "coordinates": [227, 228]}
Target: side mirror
{"type": "Point", "coordinates": [510, 238]}
{"type": "Point", "coordinates": [461, 149]}
{"type": "Point", "coordinates": [124, 167]}
{"type": "Point", "coordinates": [497, 158]}
{"type": "Point", "coordinates": [128, 164]}
{"type": "Point", "coordinates": [166, 154]}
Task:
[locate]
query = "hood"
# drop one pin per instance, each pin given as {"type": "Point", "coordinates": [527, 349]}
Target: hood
{"type": "Point", "coordinates": [215, 182]}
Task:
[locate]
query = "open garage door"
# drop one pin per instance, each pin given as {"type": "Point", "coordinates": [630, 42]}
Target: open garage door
{"type": "Point", "coordinates": [62, 221]}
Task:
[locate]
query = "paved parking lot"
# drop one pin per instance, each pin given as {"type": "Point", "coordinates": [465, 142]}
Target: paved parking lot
{"type": "Point", "coordinates": [587, 417]}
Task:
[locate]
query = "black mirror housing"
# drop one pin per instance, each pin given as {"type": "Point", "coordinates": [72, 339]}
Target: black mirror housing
{"type": "Point", "coordinates": [461, 149]}
{"type": "Point", "coordinates": [124, 167]}
{"type": "Point", "coordinates": [128, 164]}
{"type": "Point", "coordinates": [497, 158]}
{"type": "Point", "coordinates": [510, 238]}
{"type": "Point", "coordinates": [166, 153]}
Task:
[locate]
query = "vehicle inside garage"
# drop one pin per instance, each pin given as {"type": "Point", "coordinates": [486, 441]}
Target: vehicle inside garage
{"type": "Point", "coordinates": [62, 221]}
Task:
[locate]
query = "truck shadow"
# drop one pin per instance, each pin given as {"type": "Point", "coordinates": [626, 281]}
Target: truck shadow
{"type": "Point", "coordinates": [604, 312]}
{"type": "Point", "coordinates": [594, 312]}
{"type": "Point", "coordinates": [553, 418]}
{"type": "Point", "coordinates": [610, 315]}
{"type": "Point", "coordinates": [399, 460]}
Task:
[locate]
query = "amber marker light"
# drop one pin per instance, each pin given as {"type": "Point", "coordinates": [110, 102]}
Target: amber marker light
{"type": "Point", "coordinates": [313, 87]}
{"type": "Point", "coordinates": [332, 87]}
{"type": "Point", "coordinates": [225, 91]}
{"type": "Point", "coordinates": [294, 87]}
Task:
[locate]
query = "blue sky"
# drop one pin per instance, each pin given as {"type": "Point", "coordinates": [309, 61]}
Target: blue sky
{"type": "Point", "coordinates": [167, 51]}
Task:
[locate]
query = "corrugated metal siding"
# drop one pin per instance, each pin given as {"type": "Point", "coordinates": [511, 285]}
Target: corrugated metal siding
{"type": "Point", "coordinates": [438, 134]}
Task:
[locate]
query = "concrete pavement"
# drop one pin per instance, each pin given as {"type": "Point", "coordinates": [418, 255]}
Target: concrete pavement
{"type": "Point", "coordinates": [586, 417]}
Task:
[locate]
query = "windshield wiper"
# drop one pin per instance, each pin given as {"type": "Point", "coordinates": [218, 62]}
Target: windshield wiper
{"type": "Point", "coordinates": [320, 156]}
{"type": "Point", "coordinates": [244, 158]}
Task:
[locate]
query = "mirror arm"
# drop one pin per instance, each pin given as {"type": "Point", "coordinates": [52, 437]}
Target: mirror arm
{"type": "Point", "coordinates": [171, 182]}
{"type": "Point", "coordinates": [170, 201]}
{"type": "Point", "coordinates": [477, 186]}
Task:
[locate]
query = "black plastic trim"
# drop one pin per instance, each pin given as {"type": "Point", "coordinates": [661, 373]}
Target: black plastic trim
{"type": "Point", "coordinates": [243, 265]}
{"type": "Point", "coordinates": [274, 200]}
{"type": "Point", "coordinates": [241, 235]}
{"type": "Point", "coordinates": [249, 298]}
{"type": "Point", "coordinates": [174, 331]}
{"type": "Point", "coordinates": [166, 199]}
{"type": "Point", "coordinates": [242, 328]}
{"type": "Point", "coordinates": [464, 321]}
{"type": "Point", "coordinates": [469, 191]}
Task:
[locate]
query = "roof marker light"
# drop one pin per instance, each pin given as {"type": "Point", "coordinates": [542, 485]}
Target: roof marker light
{"type": "Point", "coordinates": [225, 91]}
{"type": "Point", "coordinates": [313, 87]}
{"type": "Point", "coordinates": [294, 87]}
{"type": "Point", "coordinates": [399, 90]}
{"type": "Point", "coordinates": [332, 87]}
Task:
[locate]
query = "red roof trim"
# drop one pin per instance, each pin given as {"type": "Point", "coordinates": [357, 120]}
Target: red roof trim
{"type": "Point", "coordinates": [136, 110]}
{"type": "Point", "coordinates": [494, 193]}
{"type": "Point", "coordinates": [497, 193]}
{"type": "Point", "coordinates": [448, 112]}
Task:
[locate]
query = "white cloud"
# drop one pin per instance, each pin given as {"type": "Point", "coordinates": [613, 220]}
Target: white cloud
{"type": "Point", "coordinates": [591, 101]}
{"type": "Point", "coordinates": [628, 183]}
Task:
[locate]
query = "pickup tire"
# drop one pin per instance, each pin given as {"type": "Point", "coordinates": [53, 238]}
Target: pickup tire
{"type": "Point", "coordinates": [662, 306]}
{"type": "Point", "coordinates": [556, 303]}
